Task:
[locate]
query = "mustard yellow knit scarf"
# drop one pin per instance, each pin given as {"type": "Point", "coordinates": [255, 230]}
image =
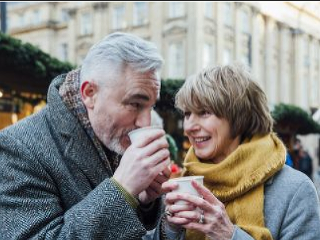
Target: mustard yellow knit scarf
{"type": "Point", "coordinates": [238, 181]}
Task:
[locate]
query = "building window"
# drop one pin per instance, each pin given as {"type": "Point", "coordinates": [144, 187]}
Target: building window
{"type": "Point", "coordinates": [245, 22]}
{"type": "Point", "coordinates": [176, 60]}
{"type": "Point", "coordinates": [227, 56]}
{"type": "Point", "coordinates": [86, 24]}
{"type": "Point", "coordinates": [245, 59]}
{"type": "Point", "coordinates": [246, 50]}
{"type": "Point", "coordinates": [22, 22]}
{"type": "Point", "coordinates": [9, 19]}
{"type": "Point", "coordinates": [64, 51]}
{"type": "Point", "coordinates": [12, 21]}
{"type": "Point", "coordinates": [64, 15]}
{"type": "Point", "coordinates": [208, 10]}
{"type": "Point", "coordinates": [176, 9]}
{"type": "Point", "coordinates": [306, 60]}
{"type": "Point", "coordinates": [118, 17]}
{"type": "Point", "coordinates": [228, 15]}
{"type": "Point", "coordinates": [208, 54]}
{"type": "Point", "coordinates": [140, 10]}
{"type": "Point", "coordinates": [36, 17]}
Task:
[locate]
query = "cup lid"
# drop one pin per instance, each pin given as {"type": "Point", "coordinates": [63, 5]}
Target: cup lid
{"type": "Point", "coordinates": [187, 178]}
{"type": "Point", "coordinates": [143, 129]}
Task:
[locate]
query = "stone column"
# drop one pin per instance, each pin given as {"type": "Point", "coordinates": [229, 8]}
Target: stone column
{"type": "Point", "coordinates": [318, 70]}
{"type": "Point", "coordinates": [220, 32]}
{"type": "Point", "coordinates": [195, 36]}
{"type": "Point", "coordinates": [313, 90]}
{"type": "Point", "coordinates": [269, 71]}
{"type": "Point", "coordinates": [72, 34]}
{"type": "Point", "coordinates": [284, 69]}
{"type": "Point", "coordinates": [100, 22]}
{"type": "Point", "coordinates": [297, 70]}
{"type": "Point", "coordinates": [237, 30]}
{"type": "Point", "coordinates": [255, 52]}
{"type": "Point", "coordinates": [155, 19]}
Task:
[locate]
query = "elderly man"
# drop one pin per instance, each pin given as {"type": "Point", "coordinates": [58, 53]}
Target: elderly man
{"type": "Point", "coordinates": [70, 171]}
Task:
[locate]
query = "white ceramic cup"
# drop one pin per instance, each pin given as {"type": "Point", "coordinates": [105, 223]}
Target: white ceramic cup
{"type": "Point", "coordinates": [186, 187]}
{"type": "Point", "coordinates": [139, 133]}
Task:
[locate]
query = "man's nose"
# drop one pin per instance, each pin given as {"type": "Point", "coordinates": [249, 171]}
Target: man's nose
{"type": "Point", "coordinates": [143, 119]}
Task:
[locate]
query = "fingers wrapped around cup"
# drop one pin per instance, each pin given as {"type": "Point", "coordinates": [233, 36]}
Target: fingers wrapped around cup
{"type": "Point", "coordinates": [201, 219]}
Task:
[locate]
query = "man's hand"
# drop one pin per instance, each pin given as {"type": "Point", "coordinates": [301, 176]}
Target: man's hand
{"type": "Point", "coordinates": [141, 164]}
{"type": "Point", "coordinates": [154, 190]}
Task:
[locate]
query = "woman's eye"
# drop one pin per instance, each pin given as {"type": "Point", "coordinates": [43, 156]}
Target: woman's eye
{"type": "Point", "coordinates": [187, 114]}
{"type": "Point", "coordinates": [204, 114]}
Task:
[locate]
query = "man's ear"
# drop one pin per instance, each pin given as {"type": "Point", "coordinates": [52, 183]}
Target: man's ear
{"type": "Point", "coordinates": [88, 93]}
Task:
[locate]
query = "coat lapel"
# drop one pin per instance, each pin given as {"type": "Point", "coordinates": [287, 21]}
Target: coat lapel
{"type": "Point", "coordinates": [75, 144]}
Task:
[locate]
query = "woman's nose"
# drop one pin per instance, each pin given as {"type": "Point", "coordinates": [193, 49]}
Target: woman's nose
{"type": "Point", "coordinates": [191, 123]}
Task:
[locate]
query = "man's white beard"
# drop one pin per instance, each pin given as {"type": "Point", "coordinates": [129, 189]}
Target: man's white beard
{"type": "Point", "coordinates": [115, 146]}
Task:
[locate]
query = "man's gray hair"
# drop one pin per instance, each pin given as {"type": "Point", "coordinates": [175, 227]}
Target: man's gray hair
{"type": "Point", "coordinates": [120, 50]}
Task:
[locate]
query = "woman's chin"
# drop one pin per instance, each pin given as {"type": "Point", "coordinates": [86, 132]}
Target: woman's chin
{"type": "Point", "coordinates": [202, 156]}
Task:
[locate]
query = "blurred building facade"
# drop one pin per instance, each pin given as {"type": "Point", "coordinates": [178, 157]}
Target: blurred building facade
{"type": "Point", "coordinates": [279, 41]}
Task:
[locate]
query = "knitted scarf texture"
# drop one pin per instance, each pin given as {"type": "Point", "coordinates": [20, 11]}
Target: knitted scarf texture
{"type": "Point", "coordinates": [238, 182]}
{"type": "Point", "coordinates": [71, 96]}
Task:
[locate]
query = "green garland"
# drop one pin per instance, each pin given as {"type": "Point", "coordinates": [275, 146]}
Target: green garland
{"type": "Point", "coordinates": [294, 118]}
{"type": "Point", "coordinates": [30, 60]}
{"type": "Point", "coordinates": [169, 88]}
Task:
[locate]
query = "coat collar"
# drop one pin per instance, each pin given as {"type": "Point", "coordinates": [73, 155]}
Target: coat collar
{"type": "Point", "coordinates": [78, 147]}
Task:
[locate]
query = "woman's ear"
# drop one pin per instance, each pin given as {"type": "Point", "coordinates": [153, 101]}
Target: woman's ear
{"type": "Point", "coordinates": [88, 93]}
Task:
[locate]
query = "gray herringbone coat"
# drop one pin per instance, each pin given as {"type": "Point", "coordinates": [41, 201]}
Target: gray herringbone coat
{"type": "Point", "coordinates": [53, 184]}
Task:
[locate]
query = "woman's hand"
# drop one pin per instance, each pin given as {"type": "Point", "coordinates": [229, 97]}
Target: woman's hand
{"type": "Point", "coordinates": [173, 222]}
{"type": "Point", "coordinates": [215, 221]}
{"type": "Point", "coordinates": [172, 208]}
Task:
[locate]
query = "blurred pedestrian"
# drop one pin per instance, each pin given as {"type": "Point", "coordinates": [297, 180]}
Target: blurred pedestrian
{"type": "Point", "coordinates": [305, 163]}
{"type": "Point", "coordinates": [302, 159]}
{"type": "Point", "coordinates": [289, 161]}
{"type": "Point", "coordinates": [296, 152]}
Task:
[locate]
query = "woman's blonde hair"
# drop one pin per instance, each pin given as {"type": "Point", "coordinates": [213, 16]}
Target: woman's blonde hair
{"type": "Point", "coordinates": [229, 92]}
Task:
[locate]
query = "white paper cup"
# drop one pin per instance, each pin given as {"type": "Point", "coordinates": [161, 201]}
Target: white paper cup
{"type": "Point", "coordinates": [186, 187]}
{"type": "Point", "coordinates": [139, 133]}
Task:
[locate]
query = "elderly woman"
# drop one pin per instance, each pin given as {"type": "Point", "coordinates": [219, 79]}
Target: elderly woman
{"type": "Point", "coordinates": [248, 192]}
